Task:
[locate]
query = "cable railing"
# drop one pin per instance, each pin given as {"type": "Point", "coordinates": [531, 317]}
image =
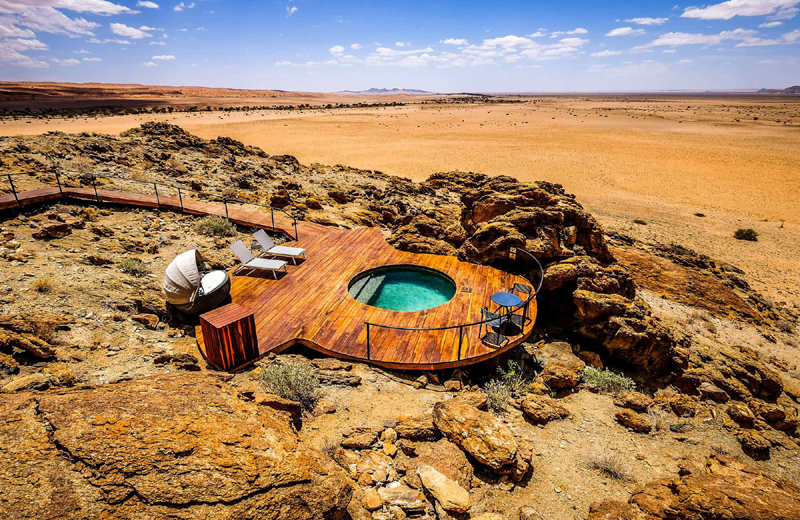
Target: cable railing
{"type": "Point", "coordinates": [515, 254]}
{"type": "Point", "coordinates": [160, 196]}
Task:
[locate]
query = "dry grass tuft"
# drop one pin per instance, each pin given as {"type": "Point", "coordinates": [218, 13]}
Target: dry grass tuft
{"type": "Point", "coordinates": [134, 267]}
{"type": "Point", "coordinates": [609, 463]}
{"type": "Point", "coordinates": [44, 284]}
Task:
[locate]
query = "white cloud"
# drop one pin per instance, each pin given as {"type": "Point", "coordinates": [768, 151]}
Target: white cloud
{"type": "Point", "coordinates": [147, 4]}
{"type": "Point", "coordinates": [537, 34]}
{"type": "Point", "coordinates": [290, 10]}
{"type": "Point", "coordinates": [108, 40]}
{"type": "Point", "coordinates": [355, 46]}
{"type": "Point", "coordinates": [158, 43]}
{"type": "Point", "coordinates": [130, 32]}
{"type": "Point", "coordinates": [146, 28]}
{"type": "Point", "coordinates": [579, 30]}
{"type": "Point", "coordinates": [11, 53]}
{"type": "Point", "coordinates": [454, 41]}
{"type": "Point", "coordinates": [163, 57]}
{"type": "Point", "coordinates": [769, 25]}
{"type": "Point", "coordinates": [150, 64]}
{"type": "Point", "coordinates": [648, 21]}
{"type": "Point", "coordinates": [669, 51]}
{"type": "Point", "coordinates": [71, 62]}
{"type": "Point", "coordinates": [81, 51]}
{"type": "Point", "coordinates": [8, 29]}
{"type": "Point", "coordinates": [399, 44]}
{"type": "Point", "coordinates": [674, 39]}
{"type": "Point", "coordinates": [92, 59]}
{"type": "Point", "coordinates": [731, 8]}
{"type": "Point", "coordinates": [605, 53]}
{"type": "Point", "coordinates": [183, 5]}
{"type": "Point", "coordinates": [336, 50]}
{"type": "Point", "coordinates": [625, 31]}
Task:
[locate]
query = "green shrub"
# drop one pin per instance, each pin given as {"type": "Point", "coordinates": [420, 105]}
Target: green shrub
{"type": "Point", "coordinates": [640, 222]}
{"type": "Point", "coordinates": [215, 226]}
{"type": "Point", "coordinates": [607, 381]}
{"type": "Point", "coordinates": [134, 267]}
{"type": "Point", "coordinates": [679, 249]}
{"type": "Point", "coordinates": [746, 234]}
{"type": "Point", "coordinates": [294, 381]}
{"type": "Point", "coordinates": [513, 382]}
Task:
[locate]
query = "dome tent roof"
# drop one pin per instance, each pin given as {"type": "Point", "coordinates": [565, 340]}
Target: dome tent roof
{"type": "Point", "coordinates": [182, 279]}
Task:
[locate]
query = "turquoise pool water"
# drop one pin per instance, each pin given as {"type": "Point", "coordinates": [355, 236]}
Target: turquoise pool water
{"type": "Point", "coordinates": [402, 288]}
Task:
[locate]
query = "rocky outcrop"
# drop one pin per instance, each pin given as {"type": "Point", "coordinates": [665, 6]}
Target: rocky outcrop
{"type": "Point", "coordinates": [449, 495]}
{"type": "Point", "coordinates": [721, 488]}
{"type": "Point", "coordinates": [182, 445]}
{"type": "Point", "coordinates": [540, 409]}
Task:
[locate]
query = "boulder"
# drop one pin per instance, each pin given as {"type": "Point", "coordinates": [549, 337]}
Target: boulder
{"type": "Point", "coordinates": [482, 436]}
{"type": "Point", "coordinates": [408, 499]}
{"type": "Point", "coordinates": [33, 345]}
{"type": "Point", "coordinates": [419, 427]}
{"type": "Point", "coordinates": [591, 359]}
{"type": "Point", "coordinates": [8, 365]}
{"type": "Point", "coordinates": [634, 421]}
{"type": "Point", "coordinates": [377, 466]}
{"type": "Point", "coordinates": [60, 374]}
{"type": "Point", "coordinates": [372, 500]}
{"type": "Point", "coordinates": [360, 438]}
{"type": "Point", "coordinates": [150, 321]}
{"type": "Point", "coordinates": [753, 443]}
{"type": "Point", "coordinates": [722, 488]}
{"type": "Point", "coordinates": [562, 368]}
{"type": "Point", "coordinates": [540, 409]}
{"type": "Point", "coordinates": [740, 413]}
{"type": "Point", "coordinates": [633, 400]}
{"type": "Point", "coordinates": [451, 496]}
{"type": "Point", "coordinates": [53, 231]}
{"type": "Point", "coordinates": [149, 447]}
{"type": "Point", "coordinates": [713, 392]}
{"type": "Point", "coordinates": [443, 456]}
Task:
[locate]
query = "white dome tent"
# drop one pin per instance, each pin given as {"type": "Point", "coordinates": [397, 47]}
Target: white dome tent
{"type": "Point", "coordinates": [190, 288]}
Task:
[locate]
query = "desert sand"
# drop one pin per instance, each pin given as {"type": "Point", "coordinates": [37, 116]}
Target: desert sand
{"type": "Point", "coordinates": [658, 159]}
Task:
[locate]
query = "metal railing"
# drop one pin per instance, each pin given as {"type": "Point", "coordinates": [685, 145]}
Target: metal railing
{"type": "Point", "coordinates": [94, 176]}
{"type": "Point", "coordinates": [514, 254]}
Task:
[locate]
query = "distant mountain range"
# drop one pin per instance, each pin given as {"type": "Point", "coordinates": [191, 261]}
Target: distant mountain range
{"type": "Point", "coordinates": [389, 91]}
{"type": "Point", "coordinates": [789, 90]}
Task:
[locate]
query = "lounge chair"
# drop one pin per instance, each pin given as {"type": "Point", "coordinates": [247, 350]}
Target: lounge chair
{"type": "Point", "coordinates": [251, 262]}
{"type": "Point", "coordinates": [271, 249]}
{"type": "Point", "coordinates": [492, 320]}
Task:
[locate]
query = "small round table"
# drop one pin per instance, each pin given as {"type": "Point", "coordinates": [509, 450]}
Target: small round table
{"type": "Point", "coordinates": [506, 300]}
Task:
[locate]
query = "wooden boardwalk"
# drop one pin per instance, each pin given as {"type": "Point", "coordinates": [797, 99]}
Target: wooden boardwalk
{"type": "Point", "coordinates": [311, 305]}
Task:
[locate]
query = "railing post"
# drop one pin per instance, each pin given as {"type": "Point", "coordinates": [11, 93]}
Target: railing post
{"type": "Point", "coordinates": [296, 235]}
{"type": "Point", "coordinates": [158, 200]}
{"type": "Point", "coordinates": [58, 180]}
{"type": "Point", "coordinates": [460, 339]}
{"type": "Point", "coordinates": [180, 198]}
{"type": "Point", "coordinates": [272, 214]}
{"type": "Point", "coordinates": [368, 341]}
{"type": "Point", "coordinates": [13, 190]}
{"type": "Point", "coordinates": [94, 185]}
{"type": "Point", "coordinates": [225, 201]}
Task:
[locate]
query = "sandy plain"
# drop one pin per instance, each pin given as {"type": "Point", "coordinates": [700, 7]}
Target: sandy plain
{"type": "Point", "coordinates": [659, 159]}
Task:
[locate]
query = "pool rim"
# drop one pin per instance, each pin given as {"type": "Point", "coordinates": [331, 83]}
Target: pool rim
{"type": "Point", "coordinates": [415, 267]}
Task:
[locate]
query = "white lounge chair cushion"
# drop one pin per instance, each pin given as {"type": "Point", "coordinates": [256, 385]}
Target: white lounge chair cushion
{"type": "Point", "coordinates": [286, 251]}
{"type": "Point", "coordinates": [264, 263]}
{"type": "Point", "coordinates": [212, 281]}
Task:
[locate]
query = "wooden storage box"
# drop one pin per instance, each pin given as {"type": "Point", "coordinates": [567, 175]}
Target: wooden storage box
{"type": "Point", "coordinates": [229, 336]}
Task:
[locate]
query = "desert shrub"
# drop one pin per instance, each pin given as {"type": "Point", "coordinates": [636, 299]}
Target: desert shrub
{"type": "Point", "coordinates": [609, 463]}
{"type": "Point", "coordinates": [294, 381]}
{"type": "Point", "coordinates": [330, 444]}
{"type": "Point", "coordinates": [607, 381]}
{"type": "Point", "coordinates": [44, 330]}
{"type": "Point", "coordinates": [215, 226]}
{"type": "Point", "coordinates": [784, 326]}
{"type": "Point", "coordinates": [746, 234]}
{"type": "Point", "coordinates": [497, 395]}
{"type": "Point", "coordinates": [97, 337]}
{"type": "Point", "coordinates": [176, 165]}
{"type": "Point", "coordinates": [229, 193]}
{"type": "Point", "coordinates": [134, 267]}
{"type": "Point", "coordinates": [679, 249]}
{"type": "Point", "coordinates": [640, 222]}
{"type": "Point", "coordinates": [44, 284]}
{"type": "Point", "coordinates": [701, 215]}
{"type": "Point", "coordinates": [513, 382]}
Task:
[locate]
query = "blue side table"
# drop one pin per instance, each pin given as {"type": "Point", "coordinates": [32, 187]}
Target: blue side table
{"type": "Point", "coordinates": [506, 301]}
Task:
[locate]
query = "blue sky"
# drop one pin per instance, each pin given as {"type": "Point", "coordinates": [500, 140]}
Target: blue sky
{"type": "Point", "coordinates": [446, 47]}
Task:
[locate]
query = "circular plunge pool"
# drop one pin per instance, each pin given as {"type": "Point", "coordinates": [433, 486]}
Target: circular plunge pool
{"type": "Point", "coordinates": [405, 288]}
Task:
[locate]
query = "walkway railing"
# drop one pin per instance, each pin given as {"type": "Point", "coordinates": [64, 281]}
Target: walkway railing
{"type": "Point", "coordinates": [519, 256]}
{"type": "Point", "coordinates": [91, 178]}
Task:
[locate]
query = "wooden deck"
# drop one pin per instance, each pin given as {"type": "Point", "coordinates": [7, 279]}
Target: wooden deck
{"type": "Point", "coordinates": [312, 306]}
